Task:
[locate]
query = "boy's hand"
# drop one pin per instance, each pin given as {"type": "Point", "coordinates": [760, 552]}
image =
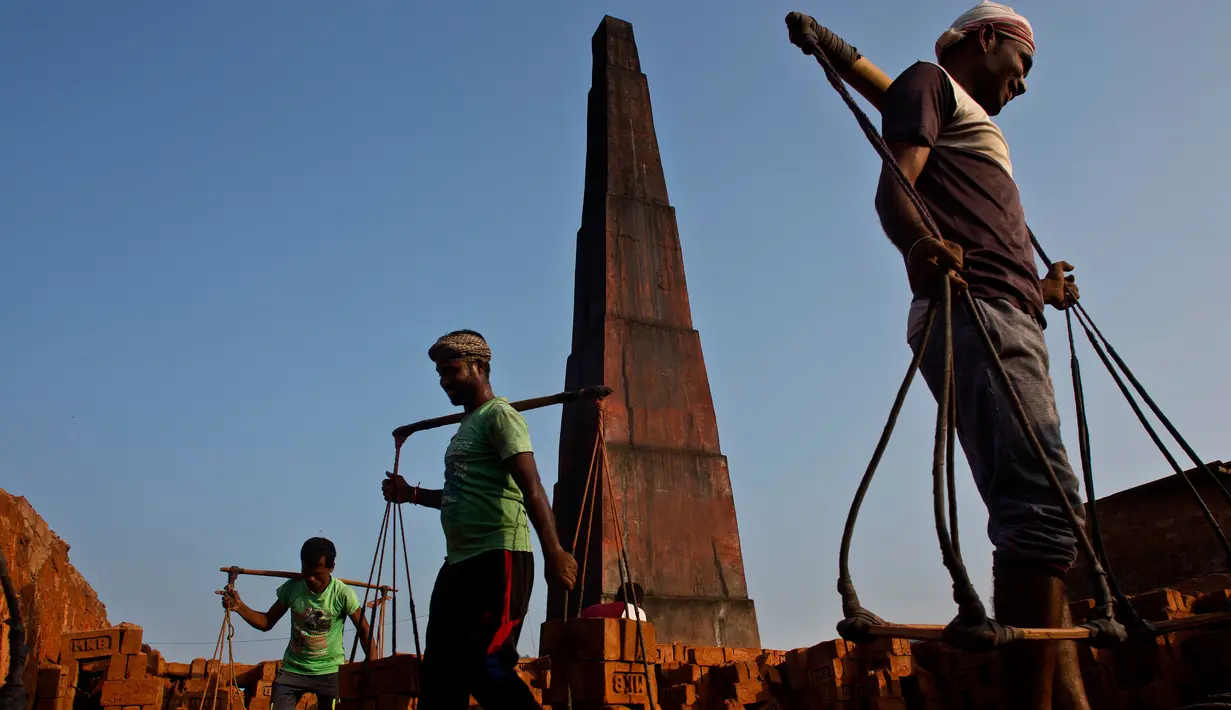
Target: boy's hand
{"type": "Point", "coordinates": [231, 600]}
{"type": "Point", "coordinates": [395, 489]}
{"type": "Point", "coordinates": [561, 567]}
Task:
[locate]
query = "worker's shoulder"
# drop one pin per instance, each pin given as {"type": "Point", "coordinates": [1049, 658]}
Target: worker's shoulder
{"type": "Point", "coordinates": [922, 72]}
{"type": "Point", "coordinates": [500, 409]}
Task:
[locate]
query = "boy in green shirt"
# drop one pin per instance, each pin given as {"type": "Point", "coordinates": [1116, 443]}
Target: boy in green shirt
{"type": "Point", "coordinates": [319, 605]}
{"type": "Point", "coordinates": [491, 495]}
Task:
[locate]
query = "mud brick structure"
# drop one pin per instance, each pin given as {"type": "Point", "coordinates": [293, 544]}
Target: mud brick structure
{"type": "Point", "coordinates": [1156, 536]}
{"type": "Point", "coordinates": [54, 597]}
{"type": "Point", "coordinates": [633, 331]}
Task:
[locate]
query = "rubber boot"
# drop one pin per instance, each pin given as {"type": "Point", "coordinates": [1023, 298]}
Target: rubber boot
{"type": "Point", "coordinates": [1028, 597]}
{"type": "Point", "coordinates": [1069, 692]}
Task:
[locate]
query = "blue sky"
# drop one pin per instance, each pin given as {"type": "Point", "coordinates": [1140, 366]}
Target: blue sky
{"type": "Point", "coordinates": [231, 231]}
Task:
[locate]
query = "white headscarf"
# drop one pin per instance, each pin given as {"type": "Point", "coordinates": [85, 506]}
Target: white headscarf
{"type": "Point", "coordinates": [1005, 20]}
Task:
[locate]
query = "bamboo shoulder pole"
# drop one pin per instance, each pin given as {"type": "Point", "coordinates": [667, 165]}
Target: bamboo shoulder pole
{"type": "Point", "coordinates": [296, 575]}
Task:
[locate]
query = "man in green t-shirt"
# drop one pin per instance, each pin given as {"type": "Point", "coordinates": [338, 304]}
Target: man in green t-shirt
{"type": "Point", "coordinates": [319, 605]}
{"type": "Point", "coordinates": [491, 495]}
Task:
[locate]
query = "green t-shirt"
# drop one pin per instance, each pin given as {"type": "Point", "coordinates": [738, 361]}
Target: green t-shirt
{"type": "Point", "coordinates": [481, 507]}
{"type": "Point", "coordinates": [317, 621]}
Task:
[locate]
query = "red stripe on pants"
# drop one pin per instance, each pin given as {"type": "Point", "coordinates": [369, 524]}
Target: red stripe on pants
{"type": "Point", "coordinates": [506, 626]}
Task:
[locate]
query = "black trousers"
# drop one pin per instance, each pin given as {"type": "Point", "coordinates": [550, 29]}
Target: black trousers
{"type": "Point", "coordinates": [475, 619]}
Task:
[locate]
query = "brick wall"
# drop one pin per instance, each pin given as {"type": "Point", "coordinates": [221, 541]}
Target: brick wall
{"type": "Point", "coordinates": [1156, 536]}
{"type": "Point", "coordinates": [55, 598]}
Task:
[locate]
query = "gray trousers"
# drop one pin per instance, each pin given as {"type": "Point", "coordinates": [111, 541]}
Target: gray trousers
{"type": "Point", "coordinates": [290, 687]}
{"type": "Point", "coordinates": [1026, 520]}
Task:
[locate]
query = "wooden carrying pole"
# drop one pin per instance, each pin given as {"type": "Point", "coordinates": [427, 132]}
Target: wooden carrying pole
{"type": "Point", "coordinates": [936, 632]}
{"type": "Point", "coordinates": [596, 392]}
{"type": "Point", "coordinates": [296, 575]}
{"type": "Point", "coordinates": [863, 76]}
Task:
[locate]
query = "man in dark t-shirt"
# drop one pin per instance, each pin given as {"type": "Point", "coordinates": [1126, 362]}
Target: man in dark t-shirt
{"type": "Point", "coordinates": [936, 119]}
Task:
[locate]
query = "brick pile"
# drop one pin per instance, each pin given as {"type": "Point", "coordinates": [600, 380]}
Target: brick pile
{"type": "Point", "coordinates": [1166, 672]}
{"type": "Point", "coordinates": [53, 596]}
{"type": "Point", "coordinates": [389, 683]}
{"type": "Point", "coordinates": [1156, 674]}
{"type": "Point", "coordinates": [599, 662]}
{"type": "Point", "coordinates": [697, 677]}
{"type": "Point", "coordinates": [110, 663]}
{"type": "Point", "coordinates": [838, 674]}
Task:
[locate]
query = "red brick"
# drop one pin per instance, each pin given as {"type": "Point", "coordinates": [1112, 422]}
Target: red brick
{"type": "Point", "coordinates": [48, 704]}
{"type": "Point", "coordinates": [750, 694]}
{"type": "Point", "coordinates": [608, 639]}
{"type": "Point", "coordinates": [552, 638]}
{"type": "Point", "coordinates": [262, 696]}
{"type": "Point", "coordinates": [666, 653]}
{"type": "Point", "coordinates": [687, 673]}
{"type": "Point", "coordinates": [900, 647]}
{"type": "Point", "coordinates": [1162, 604]}
{"type": "Point", "coordinates": [1212, 602]}
{"type": "Point", "coordinates": [130, 643]}
{"type": "Point", "coordinates": [611, 683]}
{"type": "Point", "coordinates": [117, 666]}
{"type": "Point", "coordinates": [178, 670]}
{"type": "Point", "coordinates": [705, 656]}
{"type": "Point", "coordinates": [156, 665]}
{"type": "Point", "coordinates": [901, 666]}
{"type": "Point", "coordinates": [680, 695]}
{"type": "Point", "coordinates": [132, 692]}
{"type": "Point", "coordinates": [556, 692]}
{"type": "Point", "coordinates": [137, 666]}
{"type": "Point", "coordinates": [733, 674]}
{"type": "Point", "coordinates": [392, 675]}
{"type": "Point", "coordinates": [198, 685]}
{"type": "Point", "coordinates": [55, 681]}
{"type": "Point", "coordinates": [212, 668]}
{"type": "Point", "coordinates": [734, 655]}
{"type": "Point", "coordinates": [215, 699]}
{"type": "Point", "coordinates": [83, 645]}
{"type": "Point", "coordinates": [249, 676]}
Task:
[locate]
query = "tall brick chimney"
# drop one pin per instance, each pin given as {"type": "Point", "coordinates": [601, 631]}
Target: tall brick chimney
{"type": "Point", "coordinates": [632, 330]}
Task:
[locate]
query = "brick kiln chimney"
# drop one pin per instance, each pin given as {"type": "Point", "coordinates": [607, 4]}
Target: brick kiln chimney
{"type": "Point", "coordinates": [632, 331]}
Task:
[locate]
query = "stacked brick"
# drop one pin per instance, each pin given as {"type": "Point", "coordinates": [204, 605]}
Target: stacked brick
{"type": "Point", "coordinates": [1166, 672]}
{"type": "Point", "coordinates": [599, 662]}
{"type": "Point", "coordinates": [390, 683]}
{"type": "Point", "coordinates": [1143, 674]}
{"type": "Point", "coordinates": [844, 676]}
{"type": "Point", "coordinates": [698, 677]}
{"type": "Point", "coordinates": [109, 663]}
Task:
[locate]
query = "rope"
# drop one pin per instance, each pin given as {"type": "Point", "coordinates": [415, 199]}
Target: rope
{"type": "Point", "coordinates": [599, 475]}
{"type": "Point", "coordinates": [972, 627]}
{"type": "Point", "coordinates": [391, 525]}
{"type": "Point", "coordinates": [1087, 324]}
{"type": "Point", "coordinates": [410, 598]}
{"type": "Point", "coordinates": [626, 573]}
{"type": "Point", "coordinates": [587, 498]}
{"type": "Point", "coordinates": [227, 634]}
{"type": "Point", "coordinates": [371, 574]}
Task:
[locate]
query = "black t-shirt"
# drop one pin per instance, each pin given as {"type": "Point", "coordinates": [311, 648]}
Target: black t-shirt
{"type": "Point", "coordinates": [967, 183]}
